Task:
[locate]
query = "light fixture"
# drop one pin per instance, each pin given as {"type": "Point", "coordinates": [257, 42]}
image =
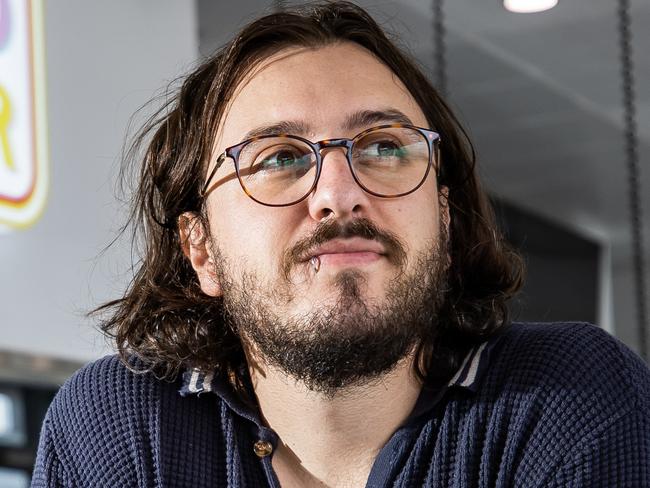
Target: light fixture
{"type": "Point", "coordinates": [6, 415]}
{"type": "Point", "coordinates": [12, 420]}
{"type": "Point", "coordinates": [529, 6]}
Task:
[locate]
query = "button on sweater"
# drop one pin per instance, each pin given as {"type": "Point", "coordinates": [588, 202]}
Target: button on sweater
{"type": "Point", "coordinates": [540, 405]}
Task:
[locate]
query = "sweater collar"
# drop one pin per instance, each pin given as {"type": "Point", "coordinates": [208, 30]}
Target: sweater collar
{"type": "Point", "coordinates": [467, 377]}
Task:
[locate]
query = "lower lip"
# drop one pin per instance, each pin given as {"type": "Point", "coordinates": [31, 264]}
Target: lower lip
{"type": "Point", "coordinates": [348, 258]}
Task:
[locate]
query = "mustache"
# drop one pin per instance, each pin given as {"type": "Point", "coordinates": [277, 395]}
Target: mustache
{"type": "Point", "coordinates": [333, 229]}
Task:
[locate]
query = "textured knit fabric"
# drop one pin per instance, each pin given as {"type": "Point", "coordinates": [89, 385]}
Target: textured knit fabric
{"type": "Point", "coordinates": [542, 405]}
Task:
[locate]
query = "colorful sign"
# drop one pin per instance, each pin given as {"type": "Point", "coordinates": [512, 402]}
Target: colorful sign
{"type": "Point", "coordinates": [23, 131]}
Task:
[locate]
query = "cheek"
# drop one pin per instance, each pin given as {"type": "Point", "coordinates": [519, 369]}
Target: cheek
{"type": "Point", "coordinates": [252, 237]}
{"type": "Point", "coordinates": [416, 221]}
{"type": "Point", "coordinates": [430, 204]}
{"type": "Point", "coordinates": [424, 232]}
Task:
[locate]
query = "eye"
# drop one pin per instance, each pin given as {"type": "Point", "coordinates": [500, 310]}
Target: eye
{"type": "Point", "coordinates": [281, 159]}
{"type": "Point", "coordinates": [384, 149]}
{"type": "Point", "coordinates": [379, 148]}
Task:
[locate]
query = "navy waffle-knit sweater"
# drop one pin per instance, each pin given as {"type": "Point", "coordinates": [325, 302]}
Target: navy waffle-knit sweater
{"type": "Point", "coordinates": [540, 405]}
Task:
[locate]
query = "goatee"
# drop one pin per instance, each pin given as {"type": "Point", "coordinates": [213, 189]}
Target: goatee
{"type": "Point", "coordinates": [349, 342]}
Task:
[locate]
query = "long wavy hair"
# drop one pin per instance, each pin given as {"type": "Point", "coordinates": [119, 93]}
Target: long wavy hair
{"type": "Point", "coordinates": [164, 318]}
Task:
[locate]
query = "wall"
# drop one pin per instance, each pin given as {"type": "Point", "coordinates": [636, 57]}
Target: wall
{"type": "Point", "coordinates": [104, 60]}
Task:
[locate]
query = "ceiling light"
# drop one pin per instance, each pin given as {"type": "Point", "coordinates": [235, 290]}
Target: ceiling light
{"type": "Point", "coordinates": [529, 6]}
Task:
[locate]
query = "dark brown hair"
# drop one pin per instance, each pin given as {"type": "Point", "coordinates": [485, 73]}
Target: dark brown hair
{"type": "Point", "coordinates": [166, 320]}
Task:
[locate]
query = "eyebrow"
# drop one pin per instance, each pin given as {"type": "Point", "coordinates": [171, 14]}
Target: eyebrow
{"type": "Point", "coordinates": [367, 118]}
{"type": "Point", "coordinates": [357, 120]}
{"type": "Point", "coordinates": [285, 127]}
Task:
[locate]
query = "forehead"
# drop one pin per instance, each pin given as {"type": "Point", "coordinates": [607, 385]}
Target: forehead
{"type": "Point", "coordinates": [319, 88]}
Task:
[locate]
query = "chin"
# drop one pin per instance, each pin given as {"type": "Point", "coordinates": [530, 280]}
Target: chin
{"type": "Point", "coordinates": [343, 292]}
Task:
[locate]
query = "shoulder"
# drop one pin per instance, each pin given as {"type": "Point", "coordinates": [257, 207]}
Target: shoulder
{"type": "Point", "coordinates": [563, 395]}
{"type": "Point", "coordinates": [107, 416]}
{"type": "Point", "coordinates": [104, 415]}
{"type": "Point", "coordinates": [104, 385]}
{"type": "Point", "coordinates": [572, 362]}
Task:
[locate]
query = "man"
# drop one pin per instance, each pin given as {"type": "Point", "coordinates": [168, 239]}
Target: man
{"type": "Point", "coordinates": [322, 298]}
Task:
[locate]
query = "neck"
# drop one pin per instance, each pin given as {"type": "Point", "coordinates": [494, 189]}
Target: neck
{"type": "Point", "coordinates": [332, 439]}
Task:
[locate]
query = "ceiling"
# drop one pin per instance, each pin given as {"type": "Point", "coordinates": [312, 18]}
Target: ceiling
{"type": "Point", "coordinates": [541, 97]}
{"type": "Point", "coordinates": [539, 93]}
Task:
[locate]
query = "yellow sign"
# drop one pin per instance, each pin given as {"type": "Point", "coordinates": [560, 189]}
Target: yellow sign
{"type": "Point", "coordinates": [23, 131]}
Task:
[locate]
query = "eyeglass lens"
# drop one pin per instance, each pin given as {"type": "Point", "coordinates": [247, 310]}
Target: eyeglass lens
{"type": "Point", "coordinates": [281, 170]}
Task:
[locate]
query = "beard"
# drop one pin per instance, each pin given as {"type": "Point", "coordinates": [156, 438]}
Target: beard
{"type": "Point", "coordinates": [350, 341]}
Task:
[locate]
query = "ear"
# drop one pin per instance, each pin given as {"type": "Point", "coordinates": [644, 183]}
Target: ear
{"type": "Point", "coordinates": [196, 247]}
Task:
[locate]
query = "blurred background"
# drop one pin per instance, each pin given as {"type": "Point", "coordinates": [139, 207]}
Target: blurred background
{"type": "Point", "coordinates": [539, 93]}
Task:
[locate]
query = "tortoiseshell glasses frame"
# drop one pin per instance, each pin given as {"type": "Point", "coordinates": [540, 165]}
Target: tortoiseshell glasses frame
{"type": "Point", "coordinates": [234, 152]}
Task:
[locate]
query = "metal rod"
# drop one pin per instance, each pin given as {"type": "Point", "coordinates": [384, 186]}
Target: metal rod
{"type": "Point", "coordinates": [439, 48]}
{"type": "Point", "coordinates": [633, 170]}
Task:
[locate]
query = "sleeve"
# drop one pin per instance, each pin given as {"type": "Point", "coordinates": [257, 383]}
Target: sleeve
{"type": "Point", "coordinates": [48, 470]}
{"type": "Point", "coordinates": [620, 456]}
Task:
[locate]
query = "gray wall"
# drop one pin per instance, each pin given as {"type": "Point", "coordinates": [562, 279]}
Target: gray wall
{"type": "Point", "coordinates": [104, 60]}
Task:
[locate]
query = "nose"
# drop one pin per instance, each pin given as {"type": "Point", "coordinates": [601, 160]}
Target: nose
{"type": "Point", "coordinates": [337, 194]}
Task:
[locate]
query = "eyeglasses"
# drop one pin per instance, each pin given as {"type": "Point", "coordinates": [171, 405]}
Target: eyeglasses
{"type": "Point", "coordinates": [387, 161]}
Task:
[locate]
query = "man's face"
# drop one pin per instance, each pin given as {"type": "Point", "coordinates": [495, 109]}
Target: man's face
{"type": "Point", "coordinates": [381, 261]}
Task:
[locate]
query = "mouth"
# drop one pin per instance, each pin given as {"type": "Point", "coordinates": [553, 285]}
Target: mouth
{"type": "Point", "coordinates": [346, 252]}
